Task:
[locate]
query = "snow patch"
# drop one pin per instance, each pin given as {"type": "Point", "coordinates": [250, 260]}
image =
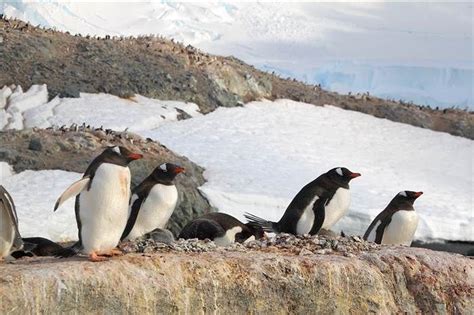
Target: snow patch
{"type": "Point", "coordinates": [32, 109]}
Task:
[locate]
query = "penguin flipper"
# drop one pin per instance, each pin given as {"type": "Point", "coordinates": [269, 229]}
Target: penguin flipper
{"type": "Point", "coordinates": [319, 209]}
{"type": "Point", "coordinates": [75, 189]}
{"type": "Point", "coordinates": [267, 226]}
{"type": "Point", "coordinates": [68, 251]}
{"type": "Point", "coordinates": [132, 218]}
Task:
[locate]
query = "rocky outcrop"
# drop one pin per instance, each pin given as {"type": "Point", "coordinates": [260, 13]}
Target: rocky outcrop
{"type": "Point", "coordinates": [160, 68]}
{"type": "Point", "coordinates": [385, 280]}
{"type": "Point", "coordinates": [69, 150]}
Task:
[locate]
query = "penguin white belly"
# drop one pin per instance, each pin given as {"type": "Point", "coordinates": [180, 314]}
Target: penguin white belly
{"type": "Point", "coordinates": [229, 236]}
{"type": "Point", "coordinates": [401, 229]}
{"type": "Point", "coordinates": [306, 221]}
{"type": "Point", "coordinates": [156, 210]}
{"type": "Point", "coordinates": [104, 208]}
{"type": "Point", "coordinates": [336, 208]}
{"type": "Point", "coordinates": [7, 234]}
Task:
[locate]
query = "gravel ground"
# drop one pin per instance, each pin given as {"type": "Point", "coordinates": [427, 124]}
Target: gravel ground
{"type": "Point", "coordinates": [283, 243]}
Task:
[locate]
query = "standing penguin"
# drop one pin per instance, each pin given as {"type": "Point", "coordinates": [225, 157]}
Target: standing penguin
{"type": "Point", "coordinates": [153, 201]}
{"type": "Point", "coordinates": [221, 228]}
{"type": "Point", "coordinates": [10, 239]}
{"type": "Point", "coordinates": [397, 223]}
{"type": "Point", "coordinates": [102, 200]}
{"type": "Point", "coordinates": [319, 204]}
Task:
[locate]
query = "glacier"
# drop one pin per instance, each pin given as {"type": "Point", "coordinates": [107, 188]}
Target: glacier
{"type": "Point", "coordinates": [419, 52]}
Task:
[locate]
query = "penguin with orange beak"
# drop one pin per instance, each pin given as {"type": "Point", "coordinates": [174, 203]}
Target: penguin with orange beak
{"type": "Point", "coordinates": [397, 223]}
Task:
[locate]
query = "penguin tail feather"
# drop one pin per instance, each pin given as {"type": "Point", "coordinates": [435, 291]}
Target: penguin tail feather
{"type": "Point", "coordinates": [267, 226]}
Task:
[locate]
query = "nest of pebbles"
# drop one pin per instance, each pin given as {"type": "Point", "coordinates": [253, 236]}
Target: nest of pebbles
{"type": "Point", "coordinates": [302, 245]}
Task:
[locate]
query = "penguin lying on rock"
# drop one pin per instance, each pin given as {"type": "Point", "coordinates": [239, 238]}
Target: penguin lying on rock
{"type": "Point", "coordinates": [397, 223]}
{"type": "Point", "coordinates": [153, 202]}
{"type": "Point", "coordinates": [10, 238]}
{"type": "Point", "coordinates": [42, 247]}
{"type": "Point", "coordinates": [319, 204]}
{"type": "Point", "coordinates": [221, 228]}
{"type": "Point", "coordinates": [103, 196]}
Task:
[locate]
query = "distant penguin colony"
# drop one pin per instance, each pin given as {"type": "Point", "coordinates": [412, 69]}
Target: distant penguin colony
{"type": "Point", "coordinates": [109, 212]}
{"type": "Point", "coordinates": [318, 205]}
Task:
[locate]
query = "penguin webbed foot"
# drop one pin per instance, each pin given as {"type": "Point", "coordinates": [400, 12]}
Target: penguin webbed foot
{"type": "Point", "coordinates": [94, 257]}
{"type": "Point", "coordinates": [112, 252]}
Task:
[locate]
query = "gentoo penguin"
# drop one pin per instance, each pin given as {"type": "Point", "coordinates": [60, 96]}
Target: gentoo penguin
{"type": "Point", "coordinates": [153, 201]}
{"type": "Point", "coordinates": [222, 228]}
{"type": "Point", "coordinates": [10, 239]}
{"type": "Point", "coordinates": [42, 247]}
{"type": "Point", "coordinates": [397, 223]}
{"type": "Point", "coordinates": [102, 200]}
{"type": "Point", "coordinates": [319, 204]}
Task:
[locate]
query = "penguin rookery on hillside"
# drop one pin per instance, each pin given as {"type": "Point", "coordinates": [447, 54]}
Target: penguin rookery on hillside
{"type": "Point", "coordinates": [102, 200]}
{"type": "Point", "coordinates": [397, 223]}
{"type": "Point", "coordinates": [153, 201]}
{"type": "Point", "coordinates": [10, 239]}
{"type": "Point", "coordinates": [319, 204]}
{"type": "Point", "coordinates": [221, 228]}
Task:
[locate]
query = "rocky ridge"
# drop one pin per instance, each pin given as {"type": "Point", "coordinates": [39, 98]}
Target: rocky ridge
{"type": "Point", "coordinates": [160, 68]}
{"type": "Point", "coordinates": [284, 274]}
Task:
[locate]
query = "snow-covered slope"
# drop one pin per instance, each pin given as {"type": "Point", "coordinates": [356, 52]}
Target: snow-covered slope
{"type": "Point", "coordinates": [32, 109]}
{"type": "Point", "coordinates": [259, 156]}
{"type": "Point", "coordinates": [413, 51]}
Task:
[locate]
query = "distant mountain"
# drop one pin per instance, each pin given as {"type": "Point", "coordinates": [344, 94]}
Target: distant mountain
{"type": "Point", "coordinates": [420, 52]}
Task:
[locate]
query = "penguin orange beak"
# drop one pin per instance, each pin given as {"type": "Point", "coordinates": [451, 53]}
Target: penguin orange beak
{"type": "Point", "coordinates": [418, 194]}
{"type": "Point", "coordinates": [135, 156]}
{"type": "Point", "coordinates": [179, 170]}
{"type": "Point", "coordinates": [354, 175]}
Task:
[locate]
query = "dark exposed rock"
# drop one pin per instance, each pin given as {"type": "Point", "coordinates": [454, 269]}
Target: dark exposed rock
{"type": "Point", "coordinates": [160, 68]}
{"type": "Point", "coordinates": [74, 150]}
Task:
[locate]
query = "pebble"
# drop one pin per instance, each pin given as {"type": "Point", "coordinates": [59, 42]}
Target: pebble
{"type": "Point", "coordinates": [302, 245]}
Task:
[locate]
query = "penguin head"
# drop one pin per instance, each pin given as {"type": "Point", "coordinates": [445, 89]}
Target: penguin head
{"type": "Point", "coordinates": [122, 153]}
{"type": "Point", "coordinates": [342, 175]}
{"type": "Point", "coordinates": [167, 171]}
{"type": "Point", "coordinates": [408, 196]}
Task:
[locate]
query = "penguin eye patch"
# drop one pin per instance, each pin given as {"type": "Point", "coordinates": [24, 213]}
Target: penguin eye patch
{"type": "Point", "coordinates": [339, 171]}
{"type": "Point", "coordinates": [116, 149]}
{"type": "Point", "coordinates": [163, 167]}
{"type": "Point", "coordinates": [403, 193]}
